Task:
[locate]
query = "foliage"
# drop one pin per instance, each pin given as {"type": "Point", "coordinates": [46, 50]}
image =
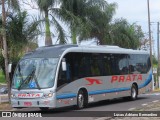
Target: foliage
{"type": "Point", "coordinates": [154, 60]}
{"type": "Point", "coordinates": [87, 17]}
{"type": "Point", "coordinates": [2, 77]}
{"type": "Point", "coordinates": [21, 33]}
{"type": "Point", "coordinates": [13, 4]}
{"type": "Point", "coordinates": [93, 19]}
{"type": "Point", "coordinates": [45, 7]}
{"type": "Point", "coordinates": [21, 36]}
{"type": "Point", "coordinates": [100, 29]}
{"type": "Point", "coordinates": [125, 35]}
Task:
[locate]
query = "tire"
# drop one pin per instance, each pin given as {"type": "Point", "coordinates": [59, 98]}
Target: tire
{"type": "Point", "coordinates": [5, 92]}
{"type": "Point", "coordinates": [81, 100]}
{"type": "Point", "coordinates": [44, 108]}
{"type": "Point", "coordinates": [134, 92]}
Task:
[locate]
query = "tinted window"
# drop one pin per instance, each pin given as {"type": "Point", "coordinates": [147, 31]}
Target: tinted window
{"type": "Point", "coordinates": [139, 64]}
{"type": "Point", "coordinates": [123, 64]}
{"type": "Point", "coordinates": [110, 63]}
{"type": "Point", "coordinates": [81, 65]}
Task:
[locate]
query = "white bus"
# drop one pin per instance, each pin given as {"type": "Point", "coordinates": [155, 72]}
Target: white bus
{"type": "Point", "coordinates": [64, 75]}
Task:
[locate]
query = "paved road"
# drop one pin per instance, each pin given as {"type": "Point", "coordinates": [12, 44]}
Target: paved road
{"type": "Point", "coordinates": [112, 105]}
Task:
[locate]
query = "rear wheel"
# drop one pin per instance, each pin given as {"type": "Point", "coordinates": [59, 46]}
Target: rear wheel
{"type": "Point", "coordinates": [134, 92]}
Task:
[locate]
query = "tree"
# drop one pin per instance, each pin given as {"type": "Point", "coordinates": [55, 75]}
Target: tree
{"type": "Point", "coordinates": [155, 61]}
{"type": "Point", "coordinates": [14, 5]}
{"type": "Point", "coordinates": [44, 6]}
{"type": "Point", "coordinates": [87, 17]}
{"type": "Point", "coordinates": [125, 35]}
{"type": "Point", "coordinates": [21, 33]}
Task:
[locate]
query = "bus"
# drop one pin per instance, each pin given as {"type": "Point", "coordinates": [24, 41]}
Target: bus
{"type": "Point", "coordinates": [65, 75]}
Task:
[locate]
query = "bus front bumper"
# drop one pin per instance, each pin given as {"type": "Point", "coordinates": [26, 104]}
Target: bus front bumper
{"type": "Point", "coordinates": [37, 102]}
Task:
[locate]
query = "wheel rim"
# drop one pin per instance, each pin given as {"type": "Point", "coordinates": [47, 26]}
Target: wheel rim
{"type": "Point", "coordinates": [80, 101]}
{"type": "Point", "coordinates": [134, 93]}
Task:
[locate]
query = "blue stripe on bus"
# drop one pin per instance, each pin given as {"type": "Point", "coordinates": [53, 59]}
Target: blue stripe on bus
{"type": "Point", "coordinates": [147, 81]}
{"type": "Point", "coordinates": [64, 96]}
{"type": "Point", "coordinates": [72, 95]}
{"type": "Point", "coordinates": [108, 91]}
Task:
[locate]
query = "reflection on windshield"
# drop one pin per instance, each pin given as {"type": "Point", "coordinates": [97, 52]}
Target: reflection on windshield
{"type": "Point", "coordinates": [35, 73]}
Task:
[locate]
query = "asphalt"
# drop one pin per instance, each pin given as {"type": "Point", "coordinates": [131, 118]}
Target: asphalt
{"type": "Point", "coordinates": [151, 108]}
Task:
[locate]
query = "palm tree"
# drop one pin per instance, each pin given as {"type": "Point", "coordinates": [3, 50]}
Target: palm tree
{"type": "Point", "coordinates": [78, 14]}
{"type": "Point", "coordinates": [21, 37]}
{"type": "Point", "coordinates": [44, 6]}
{"type": "Point", "coordinates": [21, 34]}
{"type": "Point", "coordinates": [14, 5]}
{"type": "Point", "coordinates": [87, 17]}
{"type": "Point", "coordinates": [126, 35]}
{"type": "Point", "coordinates": [101, 20]}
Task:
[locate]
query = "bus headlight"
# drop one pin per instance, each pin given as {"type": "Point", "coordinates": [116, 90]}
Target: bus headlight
{"type": "Point", "coordinates": [13, 96]}
{"type": "Point", "coordinates": [48, 95]}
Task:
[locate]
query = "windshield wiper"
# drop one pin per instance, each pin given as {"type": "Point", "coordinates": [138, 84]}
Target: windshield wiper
{"type": "Point", "coordinates": [27, 78]}
{"type": "Point", "coordinates": [31, 75]}
{"type": "Point", "coordinates": [37, 82]}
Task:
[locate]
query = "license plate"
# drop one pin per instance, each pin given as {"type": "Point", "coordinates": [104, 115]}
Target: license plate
{"type": "Point", "coordinates": [27, 103]}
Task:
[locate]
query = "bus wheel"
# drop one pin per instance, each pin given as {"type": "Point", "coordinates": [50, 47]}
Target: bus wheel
{"type": "Point", "coordinates": [44, 108]}
{"type": "Point", "coordinates": [134, 92]}
{"type": "Point", "coordinates": [80, 100]}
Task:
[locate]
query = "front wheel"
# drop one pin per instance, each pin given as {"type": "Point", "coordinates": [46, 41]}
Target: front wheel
{"type": "Point", "coordinates": [44, 108]}
{"type": "Point", "coordinates": [134, 92]}
{"type": "Point", "coordinates": [81, 100]}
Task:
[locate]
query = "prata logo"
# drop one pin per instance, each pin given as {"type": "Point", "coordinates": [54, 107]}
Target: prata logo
{"type": "Point", "coordinates": [93, 81]}
{"type": "Point", "coordinates": [29, 95]}
{"type": "Point", "coordinates": [126, 78]}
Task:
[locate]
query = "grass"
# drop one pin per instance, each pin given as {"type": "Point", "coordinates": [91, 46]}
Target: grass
{"type": "Point", "coordinates": [5, 106]}
{"type": "Point", "coordinates": [157, 90]}
{"type": "Point", "coordinates": [2, 77]}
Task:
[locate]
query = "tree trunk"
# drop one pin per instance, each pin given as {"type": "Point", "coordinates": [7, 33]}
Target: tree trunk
{"type": "Point", "coordinates": [48, 39]}
{"type": "Point", "coordinates": [5, 50]}
{"type": "Point", "coordinates": [74, 36]}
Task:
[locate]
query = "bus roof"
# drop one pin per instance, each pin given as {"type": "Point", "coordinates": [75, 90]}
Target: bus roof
{"type": "Point", "coordinates": [55, 51]}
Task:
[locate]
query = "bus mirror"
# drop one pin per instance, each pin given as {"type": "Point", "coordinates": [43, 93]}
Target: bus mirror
{"type": "Point", "coordinates": [9, 68]}
{"type": "Point", "coordinates": [64, 66]}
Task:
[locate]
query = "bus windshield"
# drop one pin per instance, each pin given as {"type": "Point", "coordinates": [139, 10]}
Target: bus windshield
{"type": "Point", "coordinates": [35, 73]}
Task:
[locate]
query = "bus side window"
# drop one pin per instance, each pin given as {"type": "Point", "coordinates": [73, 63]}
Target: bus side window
{"type": "Point", "coordinates": [68, 72]}
{"type": "Point", "coordinates": [61, 77]}
{"type": "Point", "coordinates": [64, 76]}
{"type": "Point", "coordinates": [84, 66]}
{"type": "Point", "coordinates": [95, 68]}
{"type": "Point", "coordinates": [123, 64]}
{"type": "Point", "coordinates": [109, 65]}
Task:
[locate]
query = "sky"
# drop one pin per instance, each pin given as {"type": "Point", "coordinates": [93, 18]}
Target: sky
{"type": "Point", "coordinates": [134, 11]}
